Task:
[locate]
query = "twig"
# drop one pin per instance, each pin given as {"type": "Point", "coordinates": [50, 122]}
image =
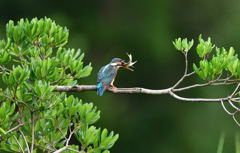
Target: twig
{"type": "Point", "coordinates": [61, 149]}
{"type": "Point", "coordinates": [62, 133]}
{"type": "Point", "coordinates": [67, 142]}
{"type": "Point", "coordinates": [189, 74]}
{"type": "Point", "coordinates": [16, 127]}
{"type": "Point", "coordinates": [7, 71]}
{"type": "Point", "coordinates": [197, 99]}
{"type": "Point", "coordinates": [234, 118]}
{"type": "Point", "coordinates": [235, 90]}
{"type": "Point", "coordinates": [185, 71]}
{"type": "Point", "coordinates": [233, 113]}
{"type": "Point", "coordinates": [18, 143]}
{"type": "Point", "coordinates": [25, 140]}
{"type": "Point", "coordinates": [33, 131]}
{"type": "Point", "coordinates": [235, 107]}
{"type": "Point", "coordinates": [202, 85]}
{"type": "Point", "coordinates": [225, 109]}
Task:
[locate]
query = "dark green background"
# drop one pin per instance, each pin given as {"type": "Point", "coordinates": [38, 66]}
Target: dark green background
{"type": "Point", "coordinates": [104, 29]}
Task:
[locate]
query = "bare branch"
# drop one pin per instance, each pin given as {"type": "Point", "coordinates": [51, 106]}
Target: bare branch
{"type": "Point", "coordinates": [185, 71]}
{"type": "Point", "coordinates": [61, 149]}
{"type": "Point", "coordinates": [233, 113]}
{"type": "Point", "coordinates": [235, 107]}
{"type": "Point", "coordinates": [198, 99]}
{"type": "Point", "coordinates": [236, 121]}
{"type": "Point", "coordinates": [191, 86]}
{"type": "Point", "coordinates": [202, 85]}
{"type": "Point", "coordinates": [81, 88]}
{"type": "Point", "coordinates": [138, 90]}
{"type": "Point", "coordinates": [190, 74]}
{"type": "Point", "coordinates": [225, 109]}
{"type": "Point", "coordinates": [234, 92]}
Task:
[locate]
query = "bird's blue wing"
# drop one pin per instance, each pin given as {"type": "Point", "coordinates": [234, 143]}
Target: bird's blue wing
{"type": "Point", "coordinates": [105, 76]}
{"type": "Point", "coordinates": [100, 75]}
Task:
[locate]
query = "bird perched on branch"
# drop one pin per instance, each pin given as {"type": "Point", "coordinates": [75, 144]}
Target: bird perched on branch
{"type": "Point", "coordinates": [107, 73]}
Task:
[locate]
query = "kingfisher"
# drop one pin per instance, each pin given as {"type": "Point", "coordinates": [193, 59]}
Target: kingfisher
{"type": "Point", "coordinates": [108, 73]}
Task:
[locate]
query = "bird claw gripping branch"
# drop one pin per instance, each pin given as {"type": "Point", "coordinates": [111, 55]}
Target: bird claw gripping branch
{"type": "Point", "coordinates": [107, 73]}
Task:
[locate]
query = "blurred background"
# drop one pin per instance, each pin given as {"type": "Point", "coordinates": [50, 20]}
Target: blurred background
{"type": "Point", "coordinates": [104, 29]}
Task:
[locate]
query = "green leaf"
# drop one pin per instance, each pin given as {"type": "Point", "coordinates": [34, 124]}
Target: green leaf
{"type": "Point", "coordinates": [183, 45]}
{"type": "Point", "coordinates": [108, 141]}
{"type": "Point", "coordinates": [178, 44]}
{"type": "Point", "coordinates": [204, 47]}
{"type": "Point", "coordinates": [34, 61]}
{"type": "Point", "coordinates": [2, 131]}
{"type": "Point", "coordinates": [86, 71]}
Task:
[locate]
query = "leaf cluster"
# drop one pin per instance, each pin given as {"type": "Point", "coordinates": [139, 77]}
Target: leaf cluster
{"type": "Point", "coordinates": [33, 61]}
{"type": "Point", "coordinates": [183, 45]}
{"type": "Point", "coordinates": [214, 61]}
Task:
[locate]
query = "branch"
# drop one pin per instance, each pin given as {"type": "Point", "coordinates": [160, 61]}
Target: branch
{"type": "Point", "coordinates": [231, 113]}
{"type": "Point", "coordinates": [18, 143]}
{"type": "Point", "coordinates": [234, 92]}
{"type": "Point", "coordinates": [61, 149]}
{"type": "Point", "coordinates": [198, 99]}
{"type": "Point", "coordinates": [33, 131]}
{"type": "Point", "coordinates": [81, 88]}
{"type": "Point", "coordinates": [25, 140]}
{"type": "Point", "coordinates": [230, 101]}
{"type": "Point", "coordinates": [7, 71]}
{"type": "Point", "coordinates": [211, 83]}
{"type": "Point", "coordinates": [185, 71]}
{"type": "Point", "coordinates": [66, 147]}
{"type": "Point", "coordinates": [171, 91]}
{"type": "Point", "coordinates": [16, 127]}
{"type": "Point", "coordinates": [137, 90]}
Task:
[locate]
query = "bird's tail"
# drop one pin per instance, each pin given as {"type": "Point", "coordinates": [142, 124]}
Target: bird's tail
{"type": "Point", "coordinates": [100, 89]}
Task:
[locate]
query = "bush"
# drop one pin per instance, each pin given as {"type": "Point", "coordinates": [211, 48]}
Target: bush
{"type": "Point", "coordinates": [34, 118]}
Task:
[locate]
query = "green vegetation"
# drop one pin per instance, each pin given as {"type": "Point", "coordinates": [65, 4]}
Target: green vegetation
{"type": "Point", "coordinates": [34, 61]}
{"type": "Point", "coordinates": [214, 61]}
{"type": "Point", "coordinates": [34, 118]}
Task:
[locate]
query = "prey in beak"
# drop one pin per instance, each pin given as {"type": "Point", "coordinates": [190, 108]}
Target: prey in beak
{"type": "Point", "coordinates": [128, 65]}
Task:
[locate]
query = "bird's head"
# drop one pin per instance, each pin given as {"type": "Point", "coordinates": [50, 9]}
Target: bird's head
{"type": "Point", "coordinates": [120, 63]}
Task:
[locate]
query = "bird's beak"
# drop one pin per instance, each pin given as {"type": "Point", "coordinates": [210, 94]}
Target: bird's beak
{"type": "Point", "coordinates": [125, 66]}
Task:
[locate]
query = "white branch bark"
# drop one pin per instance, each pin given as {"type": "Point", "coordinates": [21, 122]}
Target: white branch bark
{"type": "Point", "coordinates": [137, 90]}
{"type": "Point", "coordinates": [81, 88]}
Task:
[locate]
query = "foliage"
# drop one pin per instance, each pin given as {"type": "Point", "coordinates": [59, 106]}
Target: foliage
{"type": "Point", "coordinates": [214, 61]}
{"type": "Point", "coordinates": [34, 118]}
{"type": "Point", "coordinates": [183, 44]}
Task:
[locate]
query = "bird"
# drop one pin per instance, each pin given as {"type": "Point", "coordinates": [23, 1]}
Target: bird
{"type": "Point", "coordinates": [107, 74]}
